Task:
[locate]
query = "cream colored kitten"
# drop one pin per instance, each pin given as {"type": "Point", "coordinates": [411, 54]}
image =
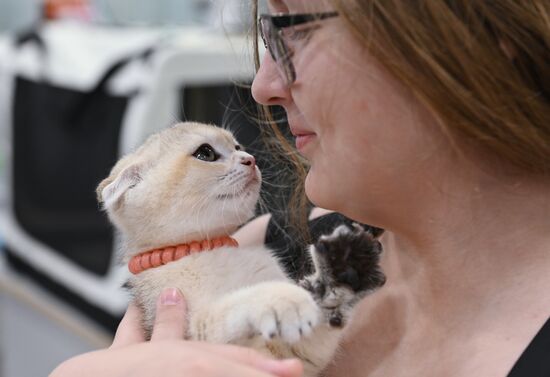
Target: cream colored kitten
{"type": "Point", "coordinates": [193, 182]}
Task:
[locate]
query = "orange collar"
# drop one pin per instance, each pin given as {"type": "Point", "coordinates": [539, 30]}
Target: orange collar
{"type": "Point", "coordinates": [159, 257]}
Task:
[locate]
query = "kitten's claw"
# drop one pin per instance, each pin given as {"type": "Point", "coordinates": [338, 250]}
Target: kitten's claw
{"type": "Point", "coordinates": [290, 316]}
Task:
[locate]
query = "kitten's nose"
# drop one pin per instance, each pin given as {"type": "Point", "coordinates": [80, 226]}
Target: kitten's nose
{"type": "Point", "coordinates": [248, 161]}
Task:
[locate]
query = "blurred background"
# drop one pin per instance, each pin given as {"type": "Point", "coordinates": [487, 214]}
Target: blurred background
{"type": "Point", "coordinates": [83, 82]}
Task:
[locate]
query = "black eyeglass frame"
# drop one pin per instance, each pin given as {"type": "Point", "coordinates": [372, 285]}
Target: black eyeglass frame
{"type": "Point", "coordinates": [271, 26]}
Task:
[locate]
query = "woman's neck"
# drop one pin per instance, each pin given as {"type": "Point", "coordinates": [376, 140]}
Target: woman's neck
{"type": "Point", "coordinates": [466, 248]}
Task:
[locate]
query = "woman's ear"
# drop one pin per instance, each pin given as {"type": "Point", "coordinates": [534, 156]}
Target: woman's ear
{"type": "Point", "coordinates": [111, 189]}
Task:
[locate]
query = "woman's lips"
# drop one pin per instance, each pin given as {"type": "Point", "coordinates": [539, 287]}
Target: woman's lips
{"type": "Point", "coordinates": [302, 134]}
{"type": "Point", "coordinates": [302, 140]}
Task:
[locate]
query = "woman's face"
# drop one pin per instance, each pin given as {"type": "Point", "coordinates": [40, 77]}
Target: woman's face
{"type": "Point", "coordinates": [369, 142]}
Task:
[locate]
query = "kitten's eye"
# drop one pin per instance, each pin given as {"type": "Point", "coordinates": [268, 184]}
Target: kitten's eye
{"type": "Point", "coordinates": [206, 153]}
{"type": "Point", "coordinates": [238, 147]}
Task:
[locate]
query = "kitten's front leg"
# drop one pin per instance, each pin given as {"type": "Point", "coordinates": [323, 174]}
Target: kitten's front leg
{"type": "Point", "coordinates": [276, 311]}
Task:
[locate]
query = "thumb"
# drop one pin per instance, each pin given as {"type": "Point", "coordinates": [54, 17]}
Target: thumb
{"type": "Point", "coordinates": [171, 316]}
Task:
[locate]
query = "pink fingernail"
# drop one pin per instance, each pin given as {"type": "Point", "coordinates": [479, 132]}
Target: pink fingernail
{"type": "Point", "coordinates": [171, 296]}
{"type": "Point", "coordinates": [281, 367]}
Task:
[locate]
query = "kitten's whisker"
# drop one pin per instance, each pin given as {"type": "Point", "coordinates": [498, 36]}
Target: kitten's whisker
{"type": "Point", "coordinates": [262, 205]}
{"type": "Point", "coordinates": [235, 191]}
{"type": "Point", "coordinates": [182, 112]}
{"type": "Point", "coordinates": [274, 185]}
{"type": "Point", "coordinates": [224, 201]}
{"type": "Point", "coordinates": [202, 205]}
{"type": "Point", "coordinates": [196, 210]}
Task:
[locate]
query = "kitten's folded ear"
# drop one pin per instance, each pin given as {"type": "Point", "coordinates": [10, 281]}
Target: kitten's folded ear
{"type": "Point", "coordinates": [111, 189]}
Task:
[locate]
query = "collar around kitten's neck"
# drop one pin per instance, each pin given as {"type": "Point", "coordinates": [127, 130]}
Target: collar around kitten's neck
{"type": "Point", "coordinates": [159, 257]}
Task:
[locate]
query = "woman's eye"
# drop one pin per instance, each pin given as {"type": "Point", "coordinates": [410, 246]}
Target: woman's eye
{"type": "Point", "coordinates": [206, 153]}
{"type": "Point", "coordinates": [297, 34]}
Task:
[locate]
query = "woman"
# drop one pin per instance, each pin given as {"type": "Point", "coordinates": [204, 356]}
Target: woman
{"type": "Point", "coordinates": [430, 119]}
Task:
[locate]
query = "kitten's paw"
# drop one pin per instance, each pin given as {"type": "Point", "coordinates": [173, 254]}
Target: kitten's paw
{"type": "Point", "coordinates": [276, 311]}
{"type": "Point", "coordinates": [346, 269]}
{"type": "Point", "coordinates": [350, 257]}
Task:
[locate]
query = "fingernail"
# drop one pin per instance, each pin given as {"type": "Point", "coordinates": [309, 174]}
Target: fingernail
{"type": "Point", "coordinates": [170, 296]}
{"type": "Point", "coordinates": [282, 367]}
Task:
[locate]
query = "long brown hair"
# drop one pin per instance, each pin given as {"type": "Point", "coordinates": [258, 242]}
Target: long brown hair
{"type": "Point", "coordinates": [482, 66]}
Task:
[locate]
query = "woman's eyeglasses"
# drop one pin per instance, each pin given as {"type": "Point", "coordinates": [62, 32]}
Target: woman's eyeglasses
{"type": "Point", "coordinates": [272, 32]}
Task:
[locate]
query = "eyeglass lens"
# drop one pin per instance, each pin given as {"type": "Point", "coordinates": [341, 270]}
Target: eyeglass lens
{"type": "Point", "coordinates": [278, 50]}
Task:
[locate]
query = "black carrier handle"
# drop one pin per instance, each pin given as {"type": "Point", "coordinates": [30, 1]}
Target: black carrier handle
{"type": "Point", "coordinates": [33, 36]}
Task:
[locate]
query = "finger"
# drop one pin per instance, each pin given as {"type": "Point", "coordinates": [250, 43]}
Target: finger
{"type": "Point", "coordinates": [232, 368]}
{"type": "Point", "coordinates": [284, 368]}
{"type": "Point", "coordinates": [252, 358]}
{"type": "Point", "coordinates": [129, 330]}
{"type": "Point", "coordinates": [170, 318]}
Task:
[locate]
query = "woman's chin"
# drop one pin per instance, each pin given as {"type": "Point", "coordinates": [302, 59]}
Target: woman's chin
{"type": "Point", "coordinates": [316, 191]}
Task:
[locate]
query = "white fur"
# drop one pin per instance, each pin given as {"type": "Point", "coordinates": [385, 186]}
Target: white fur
{"type": "Point", "coordinates": [241, 296]}
{"type": "Point", "coordinates": [234, 295]}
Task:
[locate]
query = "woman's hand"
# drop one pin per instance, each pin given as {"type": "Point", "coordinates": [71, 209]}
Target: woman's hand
{"type": "Point", "coordinates": [168, 355]}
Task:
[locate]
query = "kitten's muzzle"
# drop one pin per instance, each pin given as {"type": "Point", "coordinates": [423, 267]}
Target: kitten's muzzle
{"type": "Point", "coordinates": [252, 181]}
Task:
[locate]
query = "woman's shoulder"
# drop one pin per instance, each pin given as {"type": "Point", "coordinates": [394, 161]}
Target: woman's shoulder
{"type": "Point", "coordinates": [253, 232]}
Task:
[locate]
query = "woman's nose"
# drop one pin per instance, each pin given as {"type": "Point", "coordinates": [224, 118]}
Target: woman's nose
{"type": "Point", "coordinates": [268, 87]}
